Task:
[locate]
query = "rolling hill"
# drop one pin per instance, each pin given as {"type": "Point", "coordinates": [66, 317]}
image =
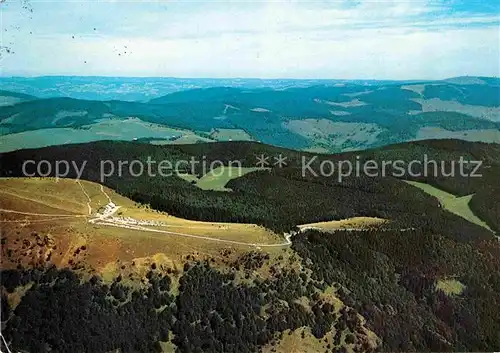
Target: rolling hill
{"type": "Point", "coordinates": [330, 117]}
{"type": "Point", "coordinates": [10, 98]}
{"type": "Point", "coordinates": [187, 271]}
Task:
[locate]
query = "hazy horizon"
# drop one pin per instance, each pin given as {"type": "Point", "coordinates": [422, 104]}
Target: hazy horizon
{"type": "Point", "coordinates": [245, 78]}
{"type": "Point", "coordinates": [388, 40]}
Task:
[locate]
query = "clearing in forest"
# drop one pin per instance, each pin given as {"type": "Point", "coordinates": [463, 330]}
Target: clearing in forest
{"type": "Point", "coordinates": [217, 178]}
{"type": "Point", "coordinates": [450, 286]}
{"type": "Point", "coordinates": [452, 203]}
{"type": "Point", "coordinates": [355, 223]}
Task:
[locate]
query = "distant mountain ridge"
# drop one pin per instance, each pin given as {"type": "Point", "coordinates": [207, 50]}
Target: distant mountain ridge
{"type": "Point", "coordinates": [146, 88]}
{"type": "Point", "coordinates": [330, 117]}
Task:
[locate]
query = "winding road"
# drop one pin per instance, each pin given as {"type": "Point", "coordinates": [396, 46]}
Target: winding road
{"type": "Point", "coordinates": [106, 218]}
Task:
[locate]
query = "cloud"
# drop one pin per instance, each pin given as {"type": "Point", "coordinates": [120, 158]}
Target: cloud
{"type": "Point", "coordinates": [390, 39]}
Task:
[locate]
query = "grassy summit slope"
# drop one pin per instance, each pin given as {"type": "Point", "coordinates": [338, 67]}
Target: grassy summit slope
{"type": "Point", "coordinates": [347, 290]}
{"type": "Point", "coordinates": [264, 197]}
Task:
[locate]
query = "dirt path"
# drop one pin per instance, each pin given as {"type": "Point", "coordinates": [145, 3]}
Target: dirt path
{"type": "Point", "coordinates": [106, 219]}
{"type": "Point", "coordinates": [142, 228]}
{"type": "Point", "coordinates": [325, 230]}
{"type": "Point", "coordinates": [88, 197]}
{"type": "Point", "coordinates": [5, 345]}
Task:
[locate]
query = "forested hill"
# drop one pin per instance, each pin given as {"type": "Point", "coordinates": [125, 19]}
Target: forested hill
{"type": "Point", "coordinates": [319, 116]}
{"type": "Point", "coordinates": [281, 198]}
{"type": "Point", "coordinates": [426, 281]}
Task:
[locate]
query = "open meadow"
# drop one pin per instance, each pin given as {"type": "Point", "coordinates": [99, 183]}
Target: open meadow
{"type": "Point", "coordinates": [61, 210]}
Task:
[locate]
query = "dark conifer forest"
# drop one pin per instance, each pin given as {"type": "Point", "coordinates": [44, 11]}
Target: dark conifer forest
{"type": "Point", "coordinates": [315, 198]}
{"type": "Point", "coordinates": [387, 278]}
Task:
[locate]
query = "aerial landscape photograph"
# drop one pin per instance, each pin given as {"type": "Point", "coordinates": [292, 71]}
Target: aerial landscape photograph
{"type": "Point", "coordinates": [249, 176]}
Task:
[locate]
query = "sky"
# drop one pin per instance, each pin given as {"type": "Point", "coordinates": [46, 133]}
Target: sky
{"type": "Point", "coordinates": [350, 39]}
